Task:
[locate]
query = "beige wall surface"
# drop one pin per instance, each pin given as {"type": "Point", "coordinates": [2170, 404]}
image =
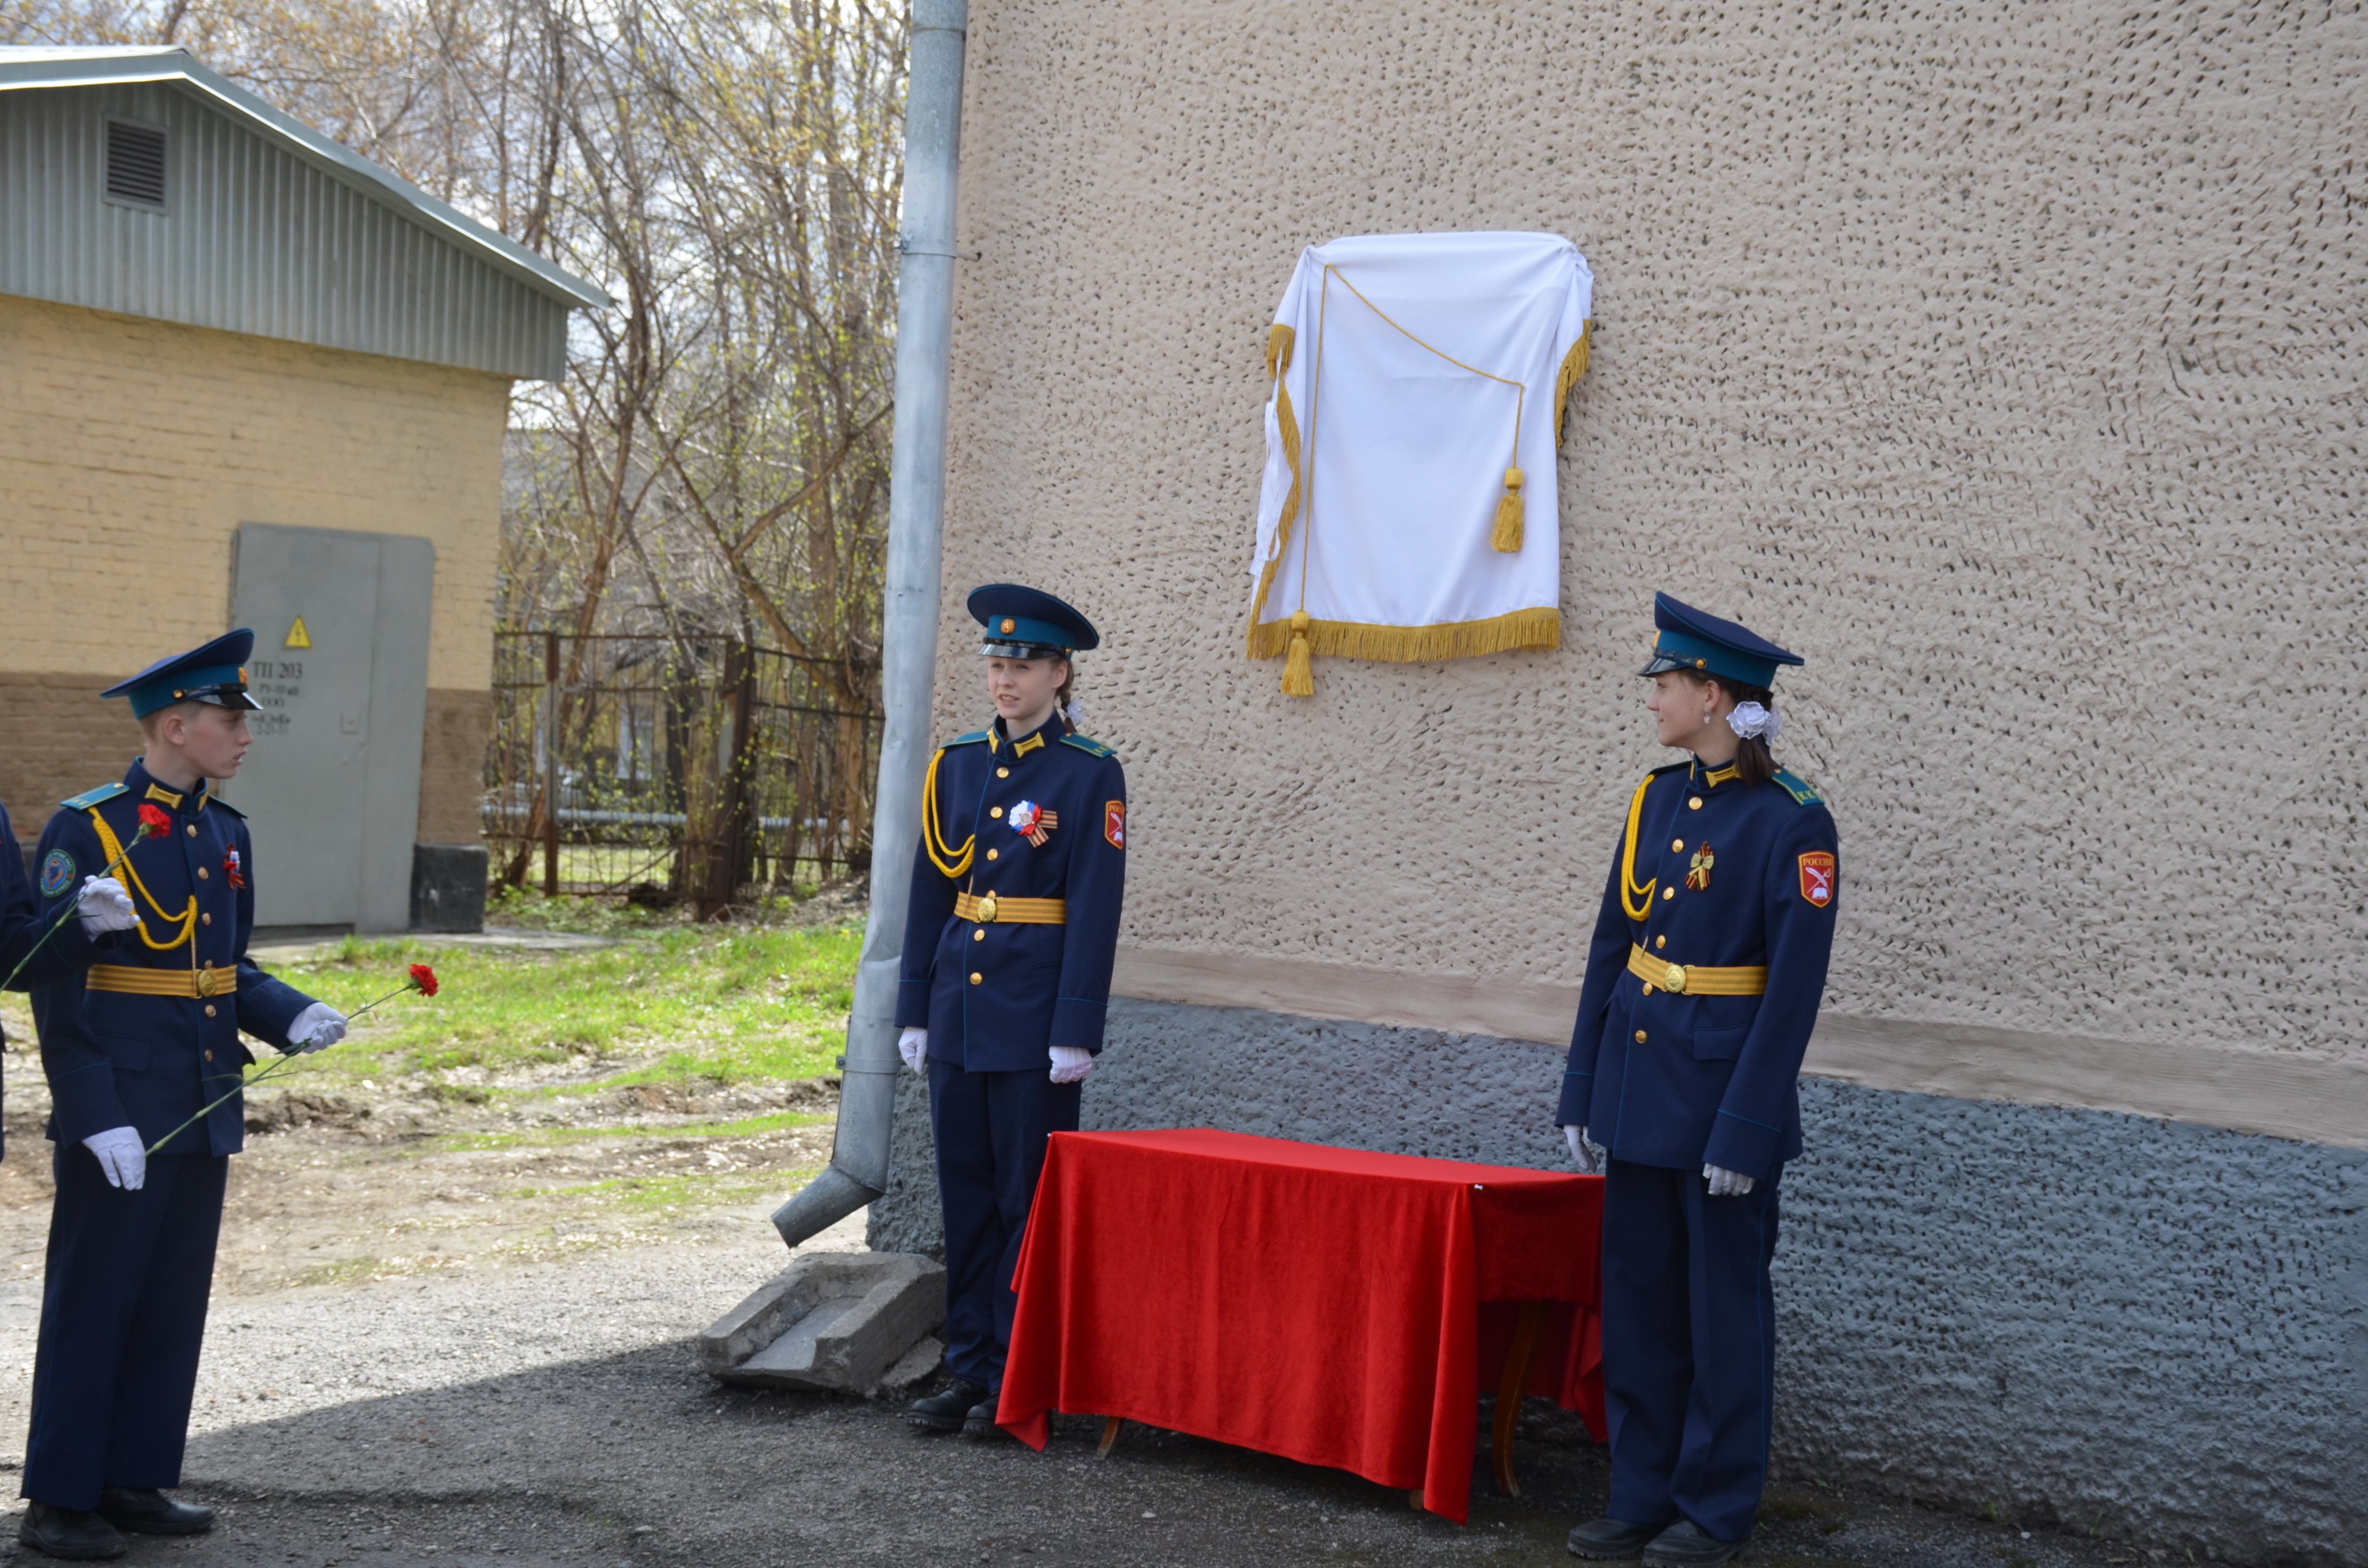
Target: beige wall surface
{"type": "Point", "coordinates": [2007, 364]}
{"type": "Point", "coordinates": [130, 451]}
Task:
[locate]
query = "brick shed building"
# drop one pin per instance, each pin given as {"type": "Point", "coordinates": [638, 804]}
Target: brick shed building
{"type": "Point", "coordinates": [2006, 362]}
{"type": "Point", "coordinates": [246, 372]}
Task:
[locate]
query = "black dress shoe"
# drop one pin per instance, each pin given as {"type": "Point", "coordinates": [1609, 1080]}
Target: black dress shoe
{"type": "Point", "coordinates": [69, 1533]}
{"type": "Point", "coordinates": [1611, 1540]}
{"type": "Point", "coordinates": [980, 1421]}
{"type": "Point", "coordinates": [143, 1510]}
{"type": "Point", "coordinates": [946, 1412]}
{"type": "Point", "coordinates": [1687, 1545]}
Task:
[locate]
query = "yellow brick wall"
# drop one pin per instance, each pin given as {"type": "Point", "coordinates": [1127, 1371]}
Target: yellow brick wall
{"type": "Point", "coordinates": [130, 451]}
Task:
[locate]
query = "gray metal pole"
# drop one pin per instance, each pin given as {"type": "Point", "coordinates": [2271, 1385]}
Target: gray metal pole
{"type": "Point", "coordinates": [908, 638]}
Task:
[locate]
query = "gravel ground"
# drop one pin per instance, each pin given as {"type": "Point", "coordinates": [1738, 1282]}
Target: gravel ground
{"type": "Point", "coordinates": [547, 1412]}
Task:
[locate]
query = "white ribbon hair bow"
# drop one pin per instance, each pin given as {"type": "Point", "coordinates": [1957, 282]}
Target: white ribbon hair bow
{"type": "Point", "coordinates": [1752, 721]}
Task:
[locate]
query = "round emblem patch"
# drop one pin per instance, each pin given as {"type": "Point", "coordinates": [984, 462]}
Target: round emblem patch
{"type": "Point", "coordinates": [57, 873]}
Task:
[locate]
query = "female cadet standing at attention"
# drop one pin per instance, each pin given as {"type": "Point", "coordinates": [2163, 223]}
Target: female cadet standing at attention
{"type": "Point", "coordinates": [1702, 983]}
{"type": "Point", "coordinates": [1008, 942]}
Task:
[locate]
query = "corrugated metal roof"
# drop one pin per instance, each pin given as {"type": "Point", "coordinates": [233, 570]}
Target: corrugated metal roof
{"type": "Point", "coordinates": [267, 227]}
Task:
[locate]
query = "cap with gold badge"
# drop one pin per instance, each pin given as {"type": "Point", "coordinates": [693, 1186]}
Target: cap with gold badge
{"type": "Point", "coordinates": [215, 672]}
{"type": "Point", "coordinates": [1687, 639]}
{"type": "Point", "coordinates": [1028, 623]}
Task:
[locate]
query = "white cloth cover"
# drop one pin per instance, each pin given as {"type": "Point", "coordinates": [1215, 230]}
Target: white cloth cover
{"type": "Point", "coordinates": [1379, 512]}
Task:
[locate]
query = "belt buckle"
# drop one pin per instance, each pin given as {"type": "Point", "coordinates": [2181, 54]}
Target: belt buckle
{"type": "Point", "coordinates": [987, 909]}
{"type": "Point", "coordinates": [1673, 979]}
{"type": "Point", "coordinates": [206, 981]}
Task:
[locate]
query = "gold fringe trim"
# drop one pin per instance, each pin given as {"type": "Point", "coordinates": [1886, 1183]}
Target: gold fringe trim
{"type": "Point", "coordinates": [1574, 365]}
{"type": "Point", "coordinates": [1522, 630]}
{"type": "Point", "coordinates": [1279, 341]}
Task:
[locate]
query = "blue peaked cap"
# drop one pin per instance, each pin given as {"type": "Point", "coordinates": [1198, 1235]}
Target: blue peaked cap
{"type": "Point", "coordinates": [1028, 623]}
{"type": "Point", "coordinates": [1686, 639]}
{"type": "Point", "coordinates": [215, 672]}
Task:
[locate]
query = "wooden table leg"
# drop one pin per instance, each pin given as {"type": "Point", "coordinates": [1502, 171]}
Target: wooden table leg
{"type": "Point", "coordinates": [1109, 1435]}
{"type": "Point", "coordinates": [1509, 1392]}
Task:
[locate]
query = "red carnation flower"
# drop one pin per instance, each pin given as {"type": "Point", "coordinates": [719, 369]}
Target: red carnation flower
{"type": "Point", "coordinates": [153, 819]}
{"type": "Point", "coordinates": [424, 978]}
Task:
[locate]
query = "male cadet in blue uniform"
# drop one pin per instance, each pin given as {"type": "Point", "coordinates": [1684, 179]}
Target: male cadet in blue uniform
{"type": "Point", "coordinates": [1703, 980]}
{"type": "Point", "coordinates": [1008, 943]}
{"type": "Point", "coordinates": [133, 1047]}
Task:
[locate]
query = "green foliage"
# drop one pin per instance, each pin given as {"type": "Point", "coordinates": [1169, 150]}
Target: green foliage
{"type": "Point", "coordinates": [717, 1003]}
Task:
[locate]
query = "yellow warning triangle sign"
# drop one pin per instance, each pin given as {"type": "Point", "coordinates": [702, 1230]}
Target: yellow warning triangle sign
{"type": "Point", "coordinates": [297, 636]}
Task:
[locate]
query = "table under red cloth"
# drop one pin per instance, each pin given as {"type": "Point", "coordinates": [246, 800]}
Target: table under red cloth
{"type": "Point", "coordinates": [1324, 1304]}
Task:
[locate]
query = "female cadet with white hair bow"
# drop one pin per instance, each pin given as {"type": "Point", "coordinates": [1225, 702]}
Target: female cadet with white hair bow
{"type": "Point", "coordinates": [1008, 944]}
{"type": "Point", "coordinates": [1702, 983]}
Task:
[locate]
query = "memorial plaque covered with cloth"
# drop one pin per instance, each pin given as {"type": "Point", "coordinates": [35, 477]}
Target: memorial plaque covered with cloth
{"type": "Point", "coordinates": [1336, 1306]}
{"type": "Point", "coordinates": [1417, 387]}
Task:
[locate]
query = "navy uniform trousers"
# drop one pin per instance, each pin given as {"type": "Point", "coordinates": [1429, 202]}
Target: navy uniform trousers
{"type": "Point", "coordinates": [990, 1130]}
{"type": "Point", "coordinates": [1689, 1345]}
{"type": "Point", "coordinates": [123, 1309]}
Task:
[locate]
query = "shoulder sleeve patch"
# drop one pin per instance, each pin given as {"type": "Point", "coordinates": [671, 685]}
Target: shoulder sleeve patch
{"type": "Point", "coordinates": [1088, 744]}
{"type": "Point", "coordinates": [57, 872]}
{"type": "Point", "coordinates": [97, 797]}
{"type": "Point", "coordinates": [1793, 784]}
{"type": "Point", "coordinates": [977, 737]}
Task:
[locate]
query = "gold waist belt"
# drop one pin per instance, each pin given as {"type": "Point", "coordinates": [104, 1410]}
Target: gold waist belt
{"type": "Point", "coordinates": [162, 981]}
{"type": "Point", "coordinates": [989, 910]}
{"type": "Point", "coordinates": [1697, 979]}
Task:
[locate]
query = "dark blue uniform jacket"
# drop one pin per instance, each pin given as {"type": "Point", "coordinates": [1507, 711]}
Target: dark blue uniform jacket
{"type": "Point", "coordinates": [996, 995]}
{"type": "Point", "coordinates": [1683, 1081]}
{"type": "Point", "coordinates": [119, 1058]}
{"type": "Point", "coordinates": [22, 927]}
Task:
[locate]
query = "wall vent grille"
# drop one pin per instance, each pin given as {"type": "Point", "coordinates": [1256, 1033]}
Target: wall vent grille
{"type": "Point", "coordinates": [136, 164]}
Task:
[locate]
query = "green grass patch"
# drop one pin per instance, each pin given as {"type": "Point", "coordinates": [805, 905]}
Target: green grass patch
{"type": "Point", "coordinates": [551, 1137]}
{"type": "Point", "coordinates": [727, 1004]}
{"type": "Point", "coordinates": [709, 1189]}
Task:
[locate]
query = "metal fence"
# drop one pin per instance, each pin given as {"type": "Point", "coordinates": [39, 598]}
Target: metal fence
{"type": "Point", "coordinates": [677, 768]}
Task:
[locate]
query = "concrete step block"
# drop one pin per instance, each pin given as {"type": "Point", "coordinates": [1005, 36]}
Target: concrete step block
{"type": "Point", "coordinates": [837, 1322]}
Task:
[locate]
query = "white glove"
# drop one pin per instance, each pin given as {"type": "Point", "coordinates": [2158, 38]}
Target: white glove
{"type": "Point", "coordinates": [1725, 1183]}
{"type": "Point", "coordinates": [121, 1155]}
{"type": "Point", "coordinates": [1585, 1155]}
{"type": "Point", "coordinates": [103, 906]}
{"type": "Point", "coordinates": [1071, 1063]}
{"type": "Point", "coordinates": [317, 1028]}
{"type": "Point", "coordinates": [912, 1045]}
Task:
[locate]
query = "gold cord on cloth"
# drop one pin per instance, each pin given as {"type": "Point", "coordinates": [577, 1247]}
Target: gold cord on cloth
{"type": "Point", "coordinates": [1635, 900]}
{"type": "Point", "coordinates": [112, 847]}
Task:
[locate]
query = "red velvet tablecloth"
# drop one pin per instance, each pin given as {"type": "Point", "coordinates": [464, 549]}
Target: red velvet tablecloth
{"type": "Point", "coordinates": [1324, 1304]}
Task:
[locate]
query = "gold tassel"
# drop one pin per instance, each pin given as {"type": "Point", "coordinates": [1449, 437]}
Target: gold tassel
{"type": "Point", "coordinates": [1298, 673]}
{"type": "Point", "coordinates": [1507, 537]}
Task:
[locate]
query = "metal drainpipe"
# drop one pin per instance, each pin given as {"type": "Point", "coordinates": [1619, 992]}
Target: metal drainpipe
{"type": "Point", "coordinates": [908, 637]}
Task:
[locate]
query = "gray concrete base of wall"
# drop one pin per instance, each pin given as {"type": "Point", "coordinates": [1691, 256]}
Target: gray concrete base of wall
{"type": "Point", "coordinates": [448, 887]}
{"type": "Point", "coordinates": [2155, 1331]}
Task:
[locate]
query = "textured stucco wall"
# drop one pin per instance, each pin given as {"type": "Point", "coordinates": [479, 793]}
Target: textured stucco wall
{"type": "Point", "coordinates": [130, 451]}
{"type": "Point", "coordinates": [2156, 1331]}
{"type": "Point", "coordinates": [2005, 362]}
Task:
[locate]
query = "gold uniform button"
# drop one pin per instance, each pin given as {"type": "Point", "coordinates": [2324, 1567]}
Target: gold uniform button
{"type": "Point", "coordinates": [995, 854]}
{"type": "Point", "coordinates": [203, 873]}
{"type": "Point", "coordinates": [1694, 804]}
{"type": "Point", "coordinates": [978, 935]}
{"type": "Point", "coordinates": [975, 977]}
{"type": "Point", "coordinates": [1648, 988]}
{"type": "Point", "coordinates": [1668, 893]}
{"type": "Point", "coordinates": [1640, 1037]}
{"type": "Point", "coordinates": [994, 811]}
{"type": "Point", "coordinates": [1678, 845]}
{"type": "Point", "coordinates": [193, 830]}
{"type": "Point", "coordinates": [1003, 773]}
{"type": "Point", "coordinates": [1660, 941]}
{"type": "Point", "coordinates": [209, 919]}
